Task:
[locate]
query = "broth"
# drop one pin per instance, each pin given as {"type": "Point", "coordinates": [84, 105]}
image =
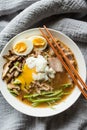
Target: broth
{"type": "Point", "coordinates": [60, 78]}
{"type": "Point", "coordinates": [56, 84]}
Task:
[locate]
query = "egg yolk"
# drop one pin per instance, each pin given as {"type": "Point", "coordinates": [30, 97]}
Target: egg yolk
{"type": "Point", "coordinates": [20, 47]}
{"type": "Point", "coordinates": [39, 42]}
{"type": "Point", "coordinates": [26, 77]}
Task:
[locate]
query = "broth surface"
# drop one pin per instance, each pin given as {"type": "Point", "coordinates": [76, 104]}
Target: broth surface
{"type": "Point", "coordinates": [54, 90]}
{"type": "Point", "coordinates": [60, 78]}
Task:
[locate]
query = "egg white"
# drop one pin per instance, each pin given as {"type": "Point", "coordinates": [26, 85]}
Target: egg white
{"type": "Point", "coordinates": [28, 44]}
{"type": "Point", "coordinates": [34, 37]}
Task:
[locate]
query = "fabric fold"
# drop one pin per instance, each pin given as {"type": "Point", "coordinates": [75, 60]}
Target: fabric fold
{"type": "Point", "coordinates": [11, 6]}
{"type": "Point", "coordinates": [67, 16]}
{"type": "Point", "coordinates": [43, 9]}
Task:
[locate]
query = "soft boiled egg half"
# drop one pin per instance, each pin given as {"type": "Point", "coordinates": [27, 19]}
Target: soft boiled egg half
{"type": "Point", "coordinates": [38, 42]}
{"type": "Point", "coordinates": [26, 77]}
{"type": "Point", "coordinates": [23, 47]}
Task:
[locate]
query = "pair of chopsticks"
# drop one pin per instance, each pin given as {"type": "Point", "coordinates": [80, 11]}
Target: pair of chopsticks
{"type": "Point", "coordinates": [65, 62]}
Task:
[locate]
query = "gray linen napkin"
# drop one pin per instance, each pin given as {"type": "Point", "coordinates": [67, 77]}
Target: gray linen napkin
{"type": "Point", "coordinates": [68, 16]}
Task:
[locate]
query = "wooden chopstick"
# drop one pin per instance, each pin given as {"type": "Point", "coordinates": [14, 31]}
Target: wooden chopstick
{"type": "Point", "coordinates": [63, 63]}
{"type": "Point", "coordinates": [67, 60]}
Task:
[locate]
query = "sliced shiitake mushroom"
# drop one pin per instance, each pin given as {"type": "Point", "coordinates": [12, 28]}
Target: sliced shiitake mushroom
{"type": "Point", "coordinates": [15, 68]}
{"type": "Point", "coordinates": [5, 69]}
{"type": "Point", "coordinates": [12, 86]}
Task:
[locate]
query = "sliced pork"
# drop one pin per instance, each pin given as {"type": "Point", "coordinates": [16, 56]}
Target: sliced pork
{"type": "Point", "coordinates": [55, 63]}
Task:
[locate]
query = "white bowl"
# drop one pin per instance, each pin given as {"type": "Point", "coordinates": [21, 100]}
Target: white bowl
{"type": "Point", "coordinates": [43, 112]}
